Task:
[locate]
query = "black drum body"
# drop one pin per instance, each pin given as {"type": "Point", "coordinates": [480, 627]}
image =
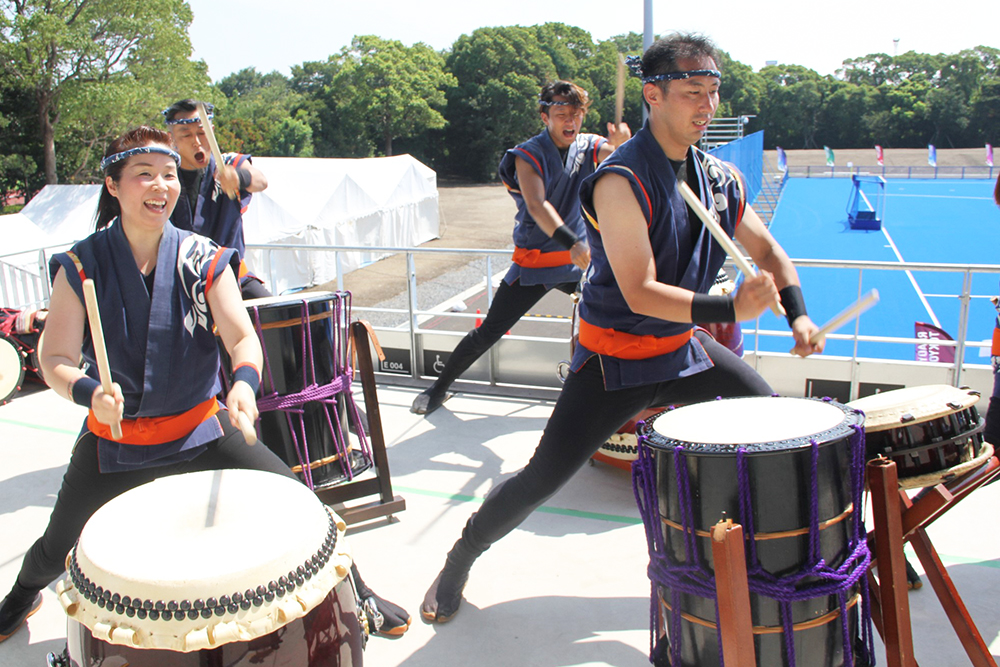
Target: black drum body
{"type": "Point", "coordinates": [304, 338]}
{"type": "Point", "coordinates": [795, 496]}
{"type": "Point", "coordinates": [328, 636]}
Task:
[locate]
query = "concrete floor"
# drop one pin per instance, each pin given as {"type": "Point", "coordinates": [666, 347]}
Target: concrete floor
{"type": "Point", "coordinates": [567, 588]}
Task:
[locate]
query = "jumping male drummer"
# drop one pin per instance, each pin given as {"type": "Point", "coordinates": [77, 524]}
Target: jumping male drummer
{"type": "Point", "coordinates": [213, 197]}
{"type": "Point", "coordinates": [543, 175]}
{"type": "Point", "coordinates": [652, 264]}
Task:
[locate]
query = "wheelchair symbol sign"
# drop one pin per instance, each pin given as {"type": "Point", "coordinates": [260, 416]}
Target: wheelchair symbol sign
{"type": "Point", "coordinates": [434, 362]}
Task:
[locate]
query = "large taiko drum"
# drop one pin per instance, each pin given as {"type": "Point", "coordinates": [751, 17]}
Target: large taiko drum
{"type": "Point", "coordinates": [925, 430]}
{"type": "Point", "coordinates": [228, 567]}
{"type": "Point", "coordinates": [621, 449]}
{"type": "Point", "coordinates": [305, 402]}
{"type": "Point", "coordinates": [791, 472]}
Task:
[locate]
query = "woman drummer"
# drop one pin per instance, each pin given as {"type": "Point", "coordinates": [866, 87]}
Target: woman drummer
{"type": "Point", "coordinates": [160, 292]}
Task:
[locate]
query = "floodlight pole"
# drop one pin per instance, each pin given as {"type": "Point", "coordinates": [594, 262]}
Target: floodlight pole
{"type": "Point", "coordinates": [647, 37]}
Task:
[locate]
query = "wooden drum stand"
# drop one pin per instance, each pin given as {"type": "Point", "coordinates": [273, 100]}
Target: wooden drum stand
{"type": "Point", "coordinates": [381, 485]}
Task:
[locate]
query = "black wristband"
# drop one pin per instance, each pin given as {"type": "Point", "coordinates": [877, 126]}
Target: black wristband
{"type": "Point", "coordinates": [709, 308]}
{"type": "Point", "coordinates": [245, 178]}
{"type": "Point", "coordinates": [83, 391]}
{"type": "Point", "coordinates": [247, 373]}
{"type": "Point", "coordinates": [565, 237]}
{"type": "Point", "coordinates": [792, 302]}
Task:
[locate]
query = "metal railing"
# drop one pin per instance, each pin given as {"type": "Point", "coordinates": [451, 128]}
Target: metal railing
{"type": "Point", "coordinates": [413, 313]}
{"type": "Point", "coordinates": [826, 171]}
{"type": "Point", "coordinates": [23, 288]}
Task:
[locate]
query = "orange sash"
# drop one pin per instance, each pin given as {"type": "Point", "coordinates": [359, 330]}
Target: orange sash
{"type": "Point", "coordinates": [629, 346]}
{"type": "Point", "coordinates": [536, 259]}
{"type": "Point", "coordinates": [156, 430]}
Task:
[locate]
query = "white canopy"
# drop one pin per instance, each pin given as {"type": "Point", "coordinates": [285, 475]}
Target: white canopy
{"type": "Point", "coordinates": [64, 212]}
{"type": "Point", "coordinates": [390, 201]}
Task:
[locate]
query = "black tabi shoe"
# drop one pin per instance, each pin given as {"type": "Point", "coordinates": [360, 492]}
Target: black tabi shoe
{"type": "Point", "coordinates": [447, 590]}
{"type": "Point", "coordinates": [428, 401]}
{"type": "Point", "coordinates": [385, 618]}
{"type": "Point", "coordinates": [14, 614]}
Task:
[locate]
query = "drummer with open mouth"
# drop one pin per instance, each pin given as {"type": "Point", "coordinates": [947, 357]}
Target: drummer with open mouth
{"type": "Point", "coordinates": [161, 293]}
{"type": "Point", "coordinates": [652, 264]}
{"type": "Point", "coordinates": [213, 196]}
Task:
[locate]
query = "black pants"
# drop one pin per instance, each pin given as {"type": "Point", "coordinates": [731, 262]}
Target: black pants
{"type": "Point", "coordinates": [584, 417]}
{"type": "Point", "coordinates": [85, 489]}
{"type": "Point", "coordinates": [510, 304]}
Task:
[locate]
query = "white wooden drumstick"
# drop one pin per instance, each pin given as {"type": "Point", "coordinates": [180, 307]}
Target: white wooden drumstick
{"type": "Point", "coordinates": [249, 434]}
{"type": "Point", "coordinates": [100, 351]}
{"type": "Point", "coordinates": [848, 314]}
{"type": "Point", "coordinates": [620, 91]}
{"type": "Point", "coordinates": [722, 238]}
{"type": "Point", "coordinates": [206, 123]}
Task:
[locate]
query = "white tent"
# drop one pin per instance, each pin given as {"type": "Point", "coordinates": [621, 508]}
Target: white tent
{"type": "Point", "coordinates": [390, 201]}
{"type": "Point", "coordinates": [64, 212]}
{"type": "Point", "coordinates": [22, 270]}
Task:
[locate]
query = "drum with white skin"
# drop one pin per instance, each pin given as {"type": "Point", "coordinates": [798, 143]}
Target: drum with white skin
{"type": "Point", "coordinates": [790, 471]}
{"type": "Point", "coordinates": [926, 430]}
{"type": "Point", "coordinates": [227, 567]}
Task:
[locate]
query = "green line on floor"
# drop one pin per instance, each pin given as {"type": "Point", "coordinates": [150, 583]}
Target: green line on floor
{"type": "Point", "coordinates": [39, 427]}
{"type": "Point", "coordinates": [628, 520]}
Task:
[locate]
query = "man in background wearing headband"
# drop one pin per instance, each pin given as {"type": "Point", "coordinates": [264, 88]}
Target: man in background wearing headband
{"type": "Point", "coordinates": [652, 264]}
{"type": "Point", "coordinates": [213, 197]}
{"type": "Point", "coordinates": [543, 175]}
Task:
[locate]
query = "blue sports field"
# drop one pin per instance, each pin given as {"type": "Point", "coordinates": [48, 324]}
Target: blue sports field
{"type": "Point", "coordinates": [925, 220]}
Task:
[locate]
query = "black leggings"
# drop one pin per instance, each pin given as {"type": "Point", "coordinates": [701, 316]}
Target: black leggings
{"type": "Point", "coordinates": [584, 417]}
{"type": "Point", "coordinates": [85, 489]}
{"type": "Point", "coordinates": [510, 303]}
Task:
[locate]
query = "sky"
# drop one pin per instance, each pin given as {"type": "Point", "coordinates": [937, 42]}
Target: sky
{"type": "Point", "coordinates": [231, 35]}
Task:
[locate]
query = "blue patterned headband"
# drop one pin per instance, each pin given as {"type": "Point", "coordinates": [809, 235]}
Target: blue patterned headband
{"type": "Point", "coordinates": [543, 103]}
{"type": "Point", "coordinates": [635, 64]}
{"type": "Point", "coordinates": [187, 121]}
{"type": "Point", "coordinates": [118, 157]}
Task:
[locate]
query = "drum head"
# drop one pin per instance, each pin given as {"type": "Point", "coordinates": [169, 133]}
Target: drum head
{"type": "Point", "coordinates": [11, 368]}
{"type": "Point", "coordinates": [890, 409]}
{"type": "Point", "coordinates": [192, 561]}
{"type": "Point", "coordinates": [761, 423]}
{"type": "Point", "coordinates": [289, 299]}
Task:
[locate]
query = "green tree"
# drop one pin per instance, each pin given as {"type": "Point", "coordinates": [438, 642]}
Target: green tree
{"type": "Point", "coordinates": [79, 58]}
{"type": "Point", "coordinates": [492, 107]}
{"type": "Point", "coordinates": [601, 71]}
{"type": "Point", "coordinates": [330, 101]}
{"type": "Point", "coordinates": [292, 137]}
{"type": "Point", "coordinates": [400, 89]}
{"type": "Point", "coordinates": [742, 90]}
{"type": "Point", "coordinates": [20, 150]}
{"type": "Point", "coordinates": [844, 108]}
{"type": "Point", "coordinates": [262, 114]}
{"type": "Point", "coordinates": [792, 105]}
{"type": "Point", "coordinates": [985, 115]}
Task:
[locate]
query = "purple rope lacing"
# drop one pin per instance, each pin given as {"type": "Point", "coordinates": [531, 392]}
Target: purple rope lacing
{"type": "Point", "coordinates": [692, 578]}
{"type": "Point", "coordinates": [292, 404]}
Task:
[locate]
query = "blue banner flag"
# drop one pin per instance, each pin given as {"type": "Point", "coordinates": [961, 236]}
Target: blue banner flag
{"type": "Point", "coordinates": [782, 160]}
{"type": "Point", "coordinates": [931, 155]}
